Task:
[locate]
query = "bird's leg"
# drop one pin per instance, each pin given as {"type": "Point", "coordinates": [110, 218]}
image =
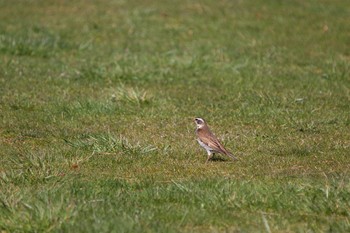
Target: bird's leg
{"type": "Point", "coordinates": [209, 156]}
{"type": "Point", "coordinates": [208, 159]}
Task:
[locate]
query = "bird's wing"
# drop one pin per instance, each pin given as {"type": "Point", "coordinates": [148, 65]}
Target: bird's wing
{"type": "Point", "coordinates": [215, 144]}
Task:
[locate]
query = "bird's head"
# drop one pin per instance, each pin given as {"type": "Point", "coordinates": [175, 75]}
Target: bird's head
{"type": "Point", "coordinates": [199, 122]}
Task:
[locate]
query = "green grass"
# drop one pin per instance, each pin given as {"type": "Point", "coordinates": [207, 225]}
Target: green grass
{"type": "Point", "coordinates": [97, 100]}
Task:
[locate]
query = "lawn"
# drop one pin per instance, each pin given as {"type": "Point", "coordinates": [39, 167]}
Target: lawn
{"type": "Point", "coordinates": [98, 98]}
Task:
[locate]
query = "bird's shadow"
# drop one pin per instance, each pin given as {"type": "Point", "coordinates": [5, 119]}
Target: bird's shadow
{"type": "Point", "coordinates": [218, 159]}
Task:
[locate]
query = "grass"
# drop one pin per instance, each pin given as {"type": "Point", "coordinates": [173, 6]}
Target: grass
{"type": "Point", "coordinates": [97, 100]}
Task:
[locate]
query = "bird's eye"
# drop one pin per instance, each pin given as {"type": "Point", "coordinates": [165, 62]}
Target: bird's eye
{"type": "Point", "coordinates": [199, 121]}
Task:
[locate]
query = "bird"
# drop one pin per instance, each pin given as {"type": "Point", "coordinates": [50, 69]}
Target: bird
{"type": "Point", "coordinates": [209, 141]}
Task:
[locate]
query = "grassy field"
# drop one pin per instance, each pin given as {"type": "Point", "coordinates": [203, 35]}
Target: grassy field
{"type": "Point", "coordinates": [97, 100]}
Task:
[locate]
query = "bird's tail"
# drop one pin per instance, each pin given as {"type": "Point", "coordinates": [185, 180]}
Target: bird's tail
{"type": "Point", "coordinates": [231, 156]}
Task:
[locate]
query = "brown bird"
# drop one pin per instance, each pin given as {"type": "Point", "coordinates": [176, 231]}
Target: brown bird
{"type": "Point", "coordinates": [208, 140]}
